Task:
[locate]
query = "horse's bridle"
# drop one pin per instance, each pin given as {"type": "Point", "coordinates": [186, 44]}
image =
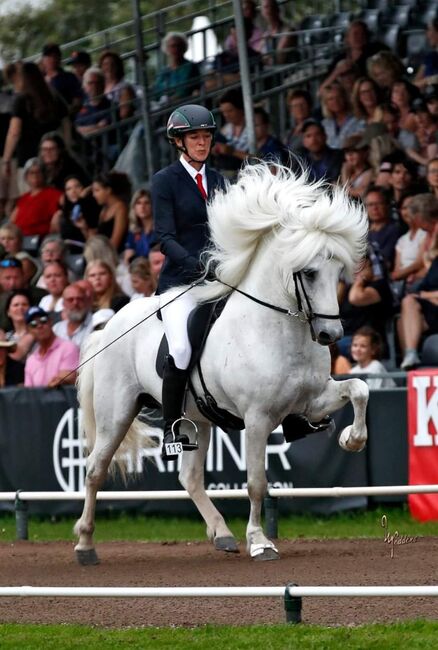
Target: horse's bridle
{"type": "Point", "coordinates": [304, 312]}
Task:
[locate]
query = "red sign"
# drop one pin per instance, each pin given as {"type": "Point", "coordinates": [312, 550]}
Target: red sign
{"type": "Point", "coordinates": [423, 441]}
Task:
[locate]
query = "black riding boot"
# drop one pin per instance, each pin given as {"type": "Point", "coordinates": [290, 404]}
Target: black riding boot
{"type": "Point", "coordinates": [174, 386]}
{"type": "Point", "coordinates": [296, 427]}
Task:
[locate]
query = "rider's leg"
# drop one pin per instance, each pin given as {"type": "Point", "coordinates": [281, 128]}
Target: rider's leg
{"type": "Point", "coordinates": [175, 374]}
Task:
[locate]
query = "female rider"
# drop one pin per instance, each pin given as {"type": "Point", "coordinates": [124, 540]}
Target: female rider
{"type": "Point", "coordinates": [179, 196]}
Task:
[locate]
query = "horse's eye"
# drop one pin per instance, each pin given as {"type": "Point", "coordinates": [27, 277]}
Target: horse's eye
{"type": "Point", "coordinates": [310, 274]}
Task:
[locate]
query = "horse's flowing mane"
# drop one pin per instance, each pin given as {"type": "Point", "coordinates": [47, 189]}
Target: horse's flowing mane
{"type": "Point", "coordinates": [302, 218]}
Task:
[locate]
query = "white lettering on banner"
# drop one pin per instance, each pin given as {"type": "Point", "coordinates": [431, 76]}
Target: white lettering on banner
{"type": "Point", "coordinates": [427, 410]}
{"type": "Point", "coordinates": [222, 440]}
{"type": "Point", "coordinates": [69, 467]}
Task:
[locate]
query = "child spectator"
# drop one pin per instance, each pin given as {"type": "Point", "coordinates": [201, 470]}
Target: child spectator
{"type": "Point", "coordinates": [11, 238]}
{"type": "Point", "coordinates": [141, 225]}
{"type": "Point", "coordinates": [107, 293]}
{"type": "Point", "coordinates": [366, 349]}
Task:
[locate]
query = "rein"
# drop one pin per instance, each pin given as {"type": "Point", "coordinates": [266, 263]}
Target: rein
{"type": "Point", "coordinates": [304, 314]}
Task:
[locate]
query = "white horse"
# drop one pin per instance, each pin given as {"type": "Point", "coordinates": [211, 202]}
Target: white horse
{"type": "Point", "coordinates": [283, 242]}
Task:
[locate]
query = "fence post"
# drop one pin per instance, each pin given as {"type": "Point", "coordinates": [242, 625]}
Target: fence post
{"type": "Point", "coordinates": [271, 516]}
{"type": "Point", "coordinates": [21, 517]}
{"type": "Point", "coordinates": [292, 605]}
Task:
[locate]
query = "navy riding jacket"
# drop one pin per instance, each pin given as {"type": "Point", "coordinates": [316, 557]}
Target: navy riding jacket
{"type": "Point", "coordinates": [181, 223]}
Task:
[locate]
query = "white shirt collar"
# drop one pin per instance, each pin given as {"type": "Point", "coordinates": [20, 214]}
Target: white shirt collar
{"type": "Point", "coordinates": [193, 172]}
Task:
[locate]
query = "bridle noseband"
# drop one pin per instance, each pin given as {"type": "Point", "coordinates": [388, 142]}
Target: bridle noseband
{"type": "Point", "coordinates": [304, 313]}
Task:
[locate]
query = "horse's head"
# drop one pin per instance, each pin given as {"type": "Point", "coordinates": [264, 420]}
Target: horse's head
{"type": "Point", "coordinates": [316, 294]}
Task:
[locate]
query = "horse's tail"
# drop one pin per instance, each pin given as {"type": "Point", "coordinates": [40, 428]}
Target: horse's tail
{"type": "Point", "coordinates": [139, 435]}
{"type": "Point", "coordinates": [85, 385]}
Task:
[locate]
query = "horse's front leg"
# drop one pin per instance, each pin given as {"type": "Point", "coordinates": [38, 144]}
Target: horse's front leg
{"type": "Point", "coordinates": [191, 477]}
{"type": "Point", "coordinates": [258, 545]}
{"type": "Point", "coordinates": [336, 395]}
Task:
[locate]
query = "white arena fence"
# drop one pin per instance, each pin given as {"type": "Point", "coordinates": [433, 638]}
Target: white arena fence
{"type": "Point", "coordinates": [22, 497]}
{"type": "Point", "coordinates": [292, 594]}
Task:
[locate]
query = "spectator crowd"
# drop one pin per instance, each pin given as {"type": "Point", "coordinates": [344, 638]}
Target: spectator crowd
{"type": "Point", "coordinates": [76, 246]}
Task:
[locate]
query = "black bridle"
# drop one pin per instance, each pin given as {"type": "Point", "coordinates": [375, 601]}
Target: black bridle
{"type": "Point", "coordinates": [304, 312]}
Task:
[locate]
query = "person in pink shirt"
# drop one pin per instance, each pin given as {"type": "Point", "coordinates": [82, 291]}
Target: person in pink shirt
{"type": "Point", "coordinates": [55, 360]}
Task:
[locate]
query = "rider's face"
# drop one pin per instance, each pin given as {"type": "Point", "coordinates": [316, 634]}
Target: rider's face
{"type": "Point", "coordinates": [197, 144]}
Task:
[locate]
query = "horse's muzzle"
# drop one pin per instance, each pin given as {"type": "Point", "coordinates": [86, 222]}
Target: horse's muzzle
{"type": "Point", "coordinates": [330, 335]}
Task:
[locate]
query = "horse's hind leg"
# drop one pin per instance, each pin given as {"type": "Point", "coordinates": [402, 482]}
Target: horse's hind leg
{"type": "Point", "coordinates": [336, 395]}
{"type": "Point", "coordinates": [109, 435]}
{"type": "Point", "coordinates": [258, 545]}
{"type": "Point", "coordinates": [192, 479]}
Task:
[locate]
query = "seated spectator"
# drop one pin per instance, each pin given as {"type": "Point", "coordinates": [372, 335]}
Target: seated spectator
{"type": "Point", "coordinates": [339, 122]}
{"type": "Point", "coordinates": [66, 84]}
{"type": "Point", "coordinates": [52, 249]}
{"type": "Point", "coordinates": [156, 261]}
{"type": "Point", "coordinates": [365, 99]}
{"type": "Point", "coordinates": [403, 178]}
{"type": "Point", "coordinates": [11, 238]}
{"type": "Point", "coordinates": [36, 110]}
{"type": "Point", "coordinates": [80, 61]}
{"type": "Point", "coordinates": [112, 193]}
{"type": "Point", "coordinates": [107, 293]}
{"type": "Point", "coordinates": [366, 350]}
{"type": "Point", "coordinates": [79, 207]}
{"type": "Point", "coordinates": [31, 267]}
{"type": "Point", "coordinates": [11, 371]}
{"type": "Point", "coordinates": [269, 148]}
{"type": "Point", "coordinates": [430, 96]}
{"type": "Point", "coordinates": [57, 163]}
{"type": "Point", "coordinates": [180, 78]}
{"type": "Point", "coordinates": [426, 129]}
{"type": "Point", "coordinates": [402, 96]}
{"type": "Point", "coordinates": [322, 161]}
{"type": "Point", "coordinates": [35, 209]}
{"type": "Point", "coordinates": [419, 314]}
{"type": "Point", "coordinates": [232, 146]}
{"type": "Point", "coordinates": [424, 208]}
{"type": "Point", "coordinates": [16, 306]}
{"type": "Point", "coordinates": [54, 361]}
{"type": "Point", "coordinates": [432, 176]}
{"type": "Point", "coordinates": [141, 278]}
{"type": "Point", "coordinates": [55, 276]}
{"type": "Point", "coordinates": [359, 47]}
{"type": "Point", "coordinates": [76, 323]}
{"type": "Point", "coordinates": [299, 104]}
{"type": "Point", "coordinates": [278, 41]}
{"type": "Point", "coordinates": [389, 116]}
{"type": "Point", "coordinates": [96, 111]}
{"type": "Point", "coordinates": [120, 93]}
{"type": "Point", "coordinates": [428, 70]}
{"type": "Point", "coordinates": [383, 231]}
{"type": "Point", "coordinates": [12, 278]}
{"type": "Point", "coordinates": [368, 301]}
{"type": "Point", "coordinates": [385, 68]}
{"type": "Point", "coordinates": [253, 33]}
{"type": "Point", "coordinates": [356, 172]}
{"type": "Point", "coordinates": [141, 226]}
{"type": "Point", "coordinates": [409, 247]}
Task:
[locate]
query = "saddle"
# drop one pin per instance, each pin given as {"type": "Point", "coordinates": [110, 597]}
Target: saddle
{"type": "Point", "coordinates": [199, 325]}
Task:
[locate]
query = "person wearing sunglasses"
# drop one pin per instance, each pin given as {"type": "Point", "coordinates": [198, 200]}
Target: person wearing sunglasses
{"type": "Point", "coordinates": [54, 360]}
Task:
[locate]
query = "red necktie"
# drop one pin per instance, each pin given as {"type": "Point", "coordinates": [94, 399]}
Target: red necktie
{"type": "Point", "coordinates": [200, 186]}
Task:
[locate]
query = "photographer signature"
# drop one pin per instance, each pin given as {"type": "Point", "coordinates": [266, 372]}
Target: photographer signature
{"type": "Point", "coordinates": [395, 539]}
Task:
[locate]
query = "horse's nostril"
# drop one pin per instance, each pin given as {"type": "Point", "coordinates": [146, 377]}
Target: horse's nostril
{"type": "Point", "coordinates": [324, 338]}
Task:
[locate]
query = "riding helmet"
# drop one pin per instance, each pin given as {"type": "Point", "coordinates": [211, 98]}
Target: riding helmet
{"type": "Point", "coordinates": [190, 117]}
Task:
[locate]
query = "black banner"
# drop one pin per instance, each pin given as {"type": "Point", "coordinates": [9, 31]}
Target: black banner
{"type": "Point", "coordinates": [41, 448]}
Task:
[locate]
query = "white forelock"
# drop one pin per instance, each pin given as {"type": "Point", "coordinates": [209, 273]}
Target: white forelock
{"type": "Point", "coordinates": [299, 218]}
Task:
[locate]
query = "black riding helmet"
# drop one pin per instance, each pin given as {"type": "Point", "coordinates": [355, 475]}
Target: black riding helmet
{"type": "Point", "coordinates": [187, 118]}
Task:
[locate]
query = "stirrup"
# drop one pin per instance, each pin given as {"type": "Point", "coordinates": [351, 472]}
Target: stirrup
{"type": "Point", "coordinates": [186, 446]}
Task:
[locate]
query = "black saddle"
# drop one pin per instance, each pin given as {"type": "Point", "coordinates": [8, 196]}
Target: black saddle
{"type": "Point", "coordinates": [199, 325]}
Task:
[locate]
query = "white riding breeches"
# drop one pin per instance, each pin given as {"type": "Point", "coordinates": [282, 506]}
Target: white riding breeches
{"type": "Point", "coordinates": [175, 317]}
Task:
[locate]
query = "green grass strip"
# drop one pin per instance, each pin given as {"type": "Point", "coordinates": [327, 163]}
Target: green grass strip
{"type": "Point", "coordinates": [415, 635]}
{"type": "Point", "coordinates": [129, 527]}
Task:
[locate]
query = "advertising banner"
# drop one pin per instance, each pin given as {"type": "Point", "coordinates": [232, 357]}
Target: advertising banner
{"type": "Point", "coordinates": [423, 441]}
{"type": "Point", "coordinates": [41, 448]}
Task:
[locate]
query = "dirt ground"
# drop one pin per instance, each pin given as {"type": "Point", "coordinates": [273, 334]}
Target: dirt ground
{"type": "Point", "coordinates": [305, 562]}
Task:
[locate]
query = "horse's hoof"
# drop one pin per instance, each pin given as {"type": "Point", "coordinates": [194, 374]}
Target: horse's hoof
{"type": "Point", "coordinates": [348, 443]}
{"type": "Point", "coordinates": [267, 555]}
{"type": "Point", "coordinates": [227, 544]}
{"type": "Point", "coordinates": [87, 558]}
